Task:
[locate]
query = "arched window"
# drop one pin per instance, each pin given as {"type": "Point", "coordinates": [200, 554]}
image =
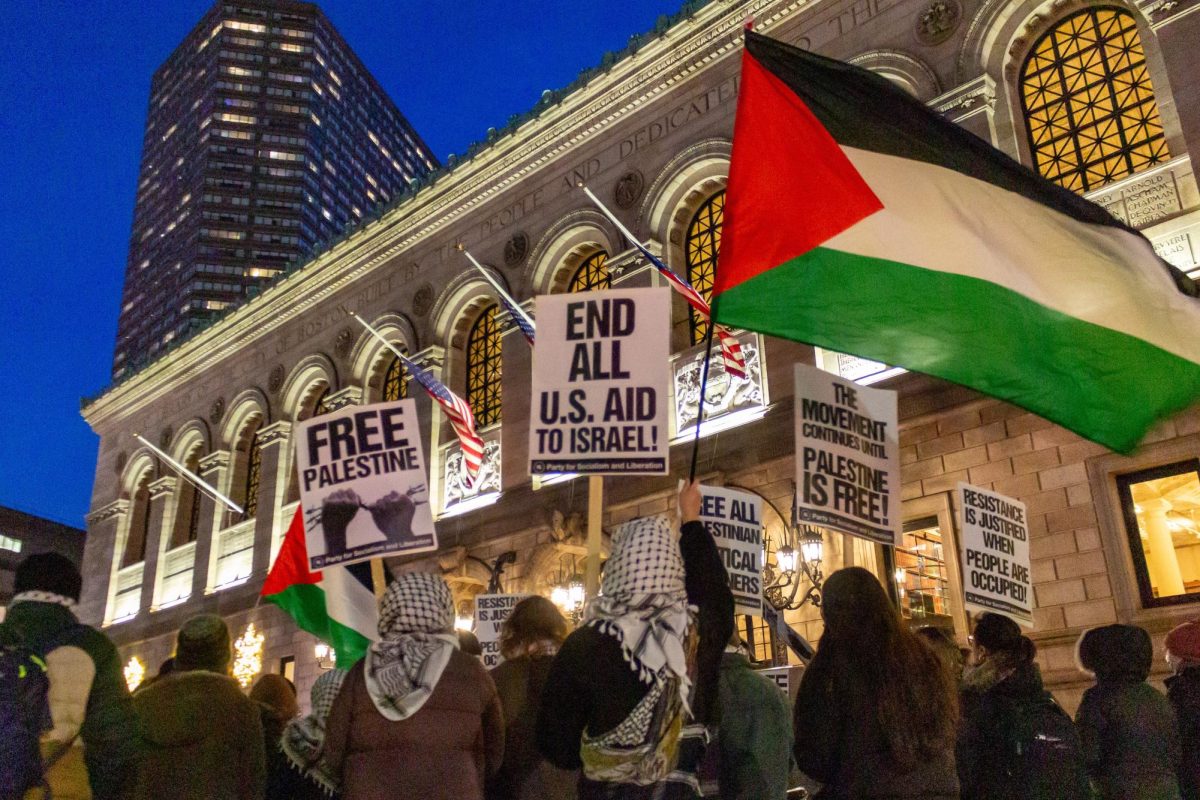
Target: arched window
{"type": "Point", "coordinates": [253, 477]}
{"type": "Point", "coordinates": [395, 381]}
{"type": "Point", "coordinates": [1089, 106]}
{"type": "Point", "coordinates": [139, 524]}
{"type": "Point", "coordinates": [483, 368]}
{"type": "Point", "coordinates": [592, 274]}
{"type": "Point", "coordinates": [321, 404]}
{"type": "Point", "coordinates": [701, 249]}
{"type": "Point", "coordinates": [187, 525]}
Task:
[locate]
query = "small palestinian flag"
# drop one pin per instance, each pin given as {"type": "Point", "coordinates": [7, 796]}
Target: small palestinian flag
{"type": "Point", "coordinates": [336, 604]}
{"type": "Point", "coordinates": [859, 220]}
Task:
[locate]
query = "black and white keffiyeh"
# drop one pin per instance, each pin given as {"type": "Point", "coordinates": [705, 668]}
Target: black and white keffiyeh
{"type": "Point", "coordinates": [303, 741]}
{"type": "Point", "coordinates": [416, 638]}
{"type": "Point", "coordinates": [643, 601]}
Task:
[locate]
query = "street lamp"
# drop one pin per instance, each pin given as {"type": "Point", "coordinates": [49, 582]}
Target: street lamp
{"type": "Point", "coordinates": [326, 656]}
{"type": "Point", "coordinates": [568, 593]}
{"type": "Point", "coordinates": [797, 561]}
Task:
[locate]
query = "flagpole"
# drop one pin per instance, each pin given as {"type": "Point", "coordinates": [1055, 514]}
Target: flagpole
{"type": "Point", "coordinates": [708, 335]}
{"type": "Point", "coordinates": [487, 276]}
{"type": "Point", "coordinates": [595, 526]}
{"type": "Point", "coordinates": [611, 217]}
{"type": "Point", "coordinates": [383, 339]}
{"type": "Point", "coordinates": [192, 477]}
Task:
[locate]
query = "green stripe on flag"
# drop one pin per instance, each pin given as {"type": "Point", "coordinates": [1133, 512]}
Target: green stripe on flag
{"type": "Point", "coordinates": [1104, 385]}
{"type": "Point", "coordinates": [305, 603]}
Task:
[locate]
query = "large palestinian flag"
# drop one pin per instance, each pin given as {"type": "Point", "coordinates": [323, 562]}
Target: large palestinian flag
{"type": "Point", "coordinates": [335, 604]}
{"type": "Point", "coordinates": [859, 220]}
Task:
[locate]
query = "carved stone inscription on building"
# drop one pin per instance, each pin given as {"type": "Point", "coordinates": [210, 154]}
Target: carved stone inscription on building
{"type": "Point", "coordinates": [1177, 249]}
{"type": "Point", "coordinates": [1144, 202]}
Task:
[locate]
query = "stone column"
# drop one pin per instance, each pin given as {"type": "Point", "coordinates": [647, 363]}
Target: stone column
{"type": "Point", "coordinates": [1163, 564]}
{"type": "Point", "coordinates": [162, 514]}
{"type": "Point", "coordinates": [275, 443]}
{"type": "Point", "coordinates": [99, 566]}
{"type": "Point", "coordinates": [214, 470]}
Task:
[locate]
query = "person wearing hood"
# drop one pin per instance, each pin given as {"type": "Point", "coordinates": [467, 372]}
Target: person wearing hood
{"type": "Point", "coordinates": [618, 702]}
{"type": "Point", "coordinates": [1183, 692]}
{"type": "Point", "coordinates": [304, 774]}
{"type": "Point", "coordinates": [1014, 741]}
{"type": "Point", "coordinates": [1128, 730]}
{"type": "Point", "coordinates": [876, 711]}
{"type": "Point", "coordinates": [90, 748]}
{"type": "Point", "coordinates": [202, 737]}
{"type": "Point", "coordinates": [529, 640]}
{"type": "Point", "coordinates": [416, 717]}
{"type": "Point", "coordinates": [276, 698]}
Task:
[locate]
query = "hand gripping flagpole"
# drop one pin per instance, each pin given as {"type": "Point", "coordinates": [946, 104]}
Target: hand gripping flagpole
{"type": "Point", "coordinates": [192, 477]}
{"type": "Point", "coordinates": [514, 306]}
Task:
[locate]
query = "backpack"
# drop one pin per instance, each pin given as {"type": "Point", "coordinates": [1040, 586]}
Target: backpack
{"type": "Point", "coordinates": [1043, 755]}
{"type": "Point", "coordinates": [24, 716]}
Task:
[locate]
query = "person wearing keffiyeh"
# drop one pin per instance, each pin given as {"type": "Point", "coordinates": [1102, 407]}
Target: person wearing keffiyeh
{"type": "Point", "coordinates": [305, 775]}
{"type": "Point", "coordinates": [630, 692]}
{"type": "Point", "coordinates": [416, 717]}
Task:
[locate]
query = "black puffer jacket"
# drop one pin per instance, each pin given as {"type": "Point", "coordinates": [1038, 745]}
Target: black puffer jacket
{"type": "Point", "coordinates": [1129, 734]}
{"type": "Point", "coordinates": [1183, 691]}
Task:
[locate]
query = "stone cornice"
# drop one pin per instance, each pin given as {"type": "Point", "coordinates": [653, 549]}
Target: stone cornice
{"type": "Point", "coordinates": [280, 431]}
{"type": "Point", "coordinates": [106, 512]}
{"type": "Point", "coordinates": [218, 459]}
{"type": "Point", "coordinates": [161, 487]}
{"type": "Point", "coordinates": [691, 46]}
{"type": "Point", "coordinates": [348, 396]}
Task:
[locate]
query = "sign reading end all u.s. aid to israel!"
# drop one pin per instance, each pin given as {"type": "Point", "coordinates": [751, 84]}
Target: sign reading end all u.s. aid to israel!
{"type": "Point", "coordinates": [847, 456]}
{"type": "Point", "coordinates": [363, 485]}
{"type": "Point", "coordinates": [995, 554]}
{"type": "Point", "coordinates": [600, 370]}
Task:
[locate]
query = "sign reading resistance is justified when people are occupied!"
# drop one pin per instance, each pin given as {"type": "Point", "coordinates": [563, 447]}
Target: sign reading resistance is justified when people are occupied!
{"type": "Point", "coordinates": [995, 554]}
{"type": "Point", "coordinates": [599, 399]}
{"type": "Point", "coordinates": [363, 485]}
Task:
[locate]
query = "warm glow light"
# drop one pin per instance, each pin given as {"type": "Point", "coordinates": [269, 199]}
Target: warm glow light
{"type": "Point", "coordinates": [135, 673]}
{"type": "Point", "coordinates": [785, 557]}
{"type": "Point", "coordinates": [811, 547]}
{"type": "Point", "coordinates": [463, 623]}
{"type": "Point", "coordinates": [560, 596]}
{"type": "Point", "coordinates": [247, 655]}
{"type": "Point", "coordinates": [326, 655]}
{"type": "Point", "coordinates": [575, 594]}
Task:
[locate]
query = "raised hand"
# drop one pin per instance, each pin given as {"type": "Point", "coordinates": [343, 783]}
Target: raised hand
{"type": "Point", "coordinates": [393, 515]}
{"type": "Point", "coordinates": [336, 512]}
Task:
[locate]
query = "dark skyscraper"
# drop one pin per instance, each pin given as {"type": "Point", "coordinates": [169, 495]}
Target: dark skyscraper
{"type": "Point", "coordinates": [265, 136]}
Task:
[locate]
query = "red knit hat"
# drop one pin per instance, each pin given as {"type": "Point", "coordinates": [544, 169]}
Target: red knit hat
{"type": "Point", "coordinates": [1184, 641]}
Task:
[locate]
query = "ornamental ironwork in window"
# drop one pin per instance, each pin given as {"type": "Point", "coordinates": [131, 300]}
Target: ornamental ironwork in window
{"type": "Point", "coordinates": [395, 381]}
{"type": "Point", "coordinates": [483, 368]}
{"type": "Point", "coordinates": [701, 250]}
{"type": "Point", "coordinates": [253, 476]}
{"type": "Point", "coordinates": [592, 274]}
{"type": "Point", "coordinates": [1088, 102]}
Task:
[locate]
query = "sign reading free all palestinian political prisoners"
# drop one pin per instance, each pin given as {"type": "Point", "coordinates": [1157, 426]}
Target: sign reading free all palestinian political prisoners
{"type": "Point", "coordinates": [490, 612]}
{"type": "Point", "coordinates": [734, 520]}
{"type": "Point", "coordinates": [995, 554]}
{"type": "Point", "coordinates": [363, 484]}
{"type": "Point", "coordinates": [847, 456]}
{"type": "Point", "coordinates": [600, 369]}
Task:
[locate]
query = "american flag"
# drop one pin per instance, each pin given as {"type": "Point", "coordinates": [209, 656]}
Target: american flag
{"type": "Point", "coordinates": [461, 418]}
{"type": "Point", "coordinates": [731, 349]}
{"type": "Point", "coordinates": [518, 316]}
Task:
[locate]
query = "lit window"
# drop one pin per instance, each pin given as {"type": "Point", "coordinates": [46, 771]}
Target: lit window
{"type": "Point", "coordinates": [395, 381]}
{"type": "Point", "coordinates": [701, 250]}
{"type": "Point", "coordinates": [483, 368]}
{"type": "Point", "coordinates": [245, 26]}
{"type": "Point", "coordinates": [592, 274]}
{"type": "Point", "coordinates": [10, 544]}
{"type": "Point", "coordinates": [1089, 106]}
{"type": "Point", "coordinates": [1162, 510]}
{"type": "Point", "coordinates": [921, 576]}
{"type": "Point", "coordinates": [253, 476]}
{"type": "Point", "coordinates": [758, 636]}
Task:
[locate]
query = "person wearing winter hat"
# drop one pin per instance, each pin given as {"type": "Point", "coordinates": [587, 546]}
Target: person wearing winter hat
{"type": "Point", "coordinates": [89, 748]}
{"type": "Point", "coordinates": [1128, 730]}
{"type": "Point", "coordinates": [202, 737]}
{"type": "Point", "coordinates": [1183, 691]}
{"type": "Point", "coordinates": [277, 705]}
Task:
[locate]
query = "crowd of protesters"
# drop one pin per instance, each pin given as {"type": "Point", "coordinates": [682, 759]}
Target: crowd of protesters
{"type": "Point", "coordinates": [652, 696]}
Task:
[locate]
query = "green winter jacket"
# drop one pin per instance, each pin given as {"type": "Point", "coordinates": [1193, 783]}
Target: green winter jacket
{"type": "Point", "coordinates": [754, 733]}
{"type": "Point", "coordinates": [109, 743]}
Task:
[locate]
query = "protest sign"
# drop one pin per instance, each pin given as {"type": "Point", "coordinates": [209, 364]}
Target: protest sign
{"type": "Point", "coordinates": [363, 484]}
{"type": "Point", "coordinates": [599, 401]}
{"type": "Point", "coordinates": [779, 676]}
{"type": "Point", "coordinates": [995, 554]}
{"type": "Point", "coordinates": [734, 520]}
{"type": "Point", "coordinates": [490, 612]}
{"type": "Point", "coordinates": [847, 456]}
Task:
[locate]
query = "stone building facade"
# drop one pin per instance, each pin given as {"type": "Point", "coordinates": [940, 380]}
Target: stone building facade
{"type": "Point", "coordinates": [650, 132]}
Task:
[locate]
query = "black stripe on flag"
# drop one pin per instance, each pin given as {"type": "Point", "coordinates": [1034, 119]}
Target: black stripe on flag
{"type": "Point", "coordinates": [868, 112]}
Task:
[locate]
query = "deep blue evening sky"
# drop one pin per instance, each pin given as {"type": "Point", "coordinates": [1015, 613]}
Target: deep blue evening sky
{"type": "Point", "coordinates": [74, 82]}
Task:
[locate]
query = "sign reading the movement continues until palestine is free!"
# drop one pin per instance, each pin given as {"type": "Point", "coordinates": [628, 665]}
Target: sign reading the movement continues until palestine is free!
{"type": "Point", "coordinates": [491, 610]}
{"type": "Point", "coordinates": [995, 554]}
{"type": "Point", "coordinates": [600, 369]}
{"type": "Point", "coordinates": [734, 520]}
{"type": "Point", "coordinates": [363, 484]}
{"type": "Point", "coordinates": [847, 456]}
